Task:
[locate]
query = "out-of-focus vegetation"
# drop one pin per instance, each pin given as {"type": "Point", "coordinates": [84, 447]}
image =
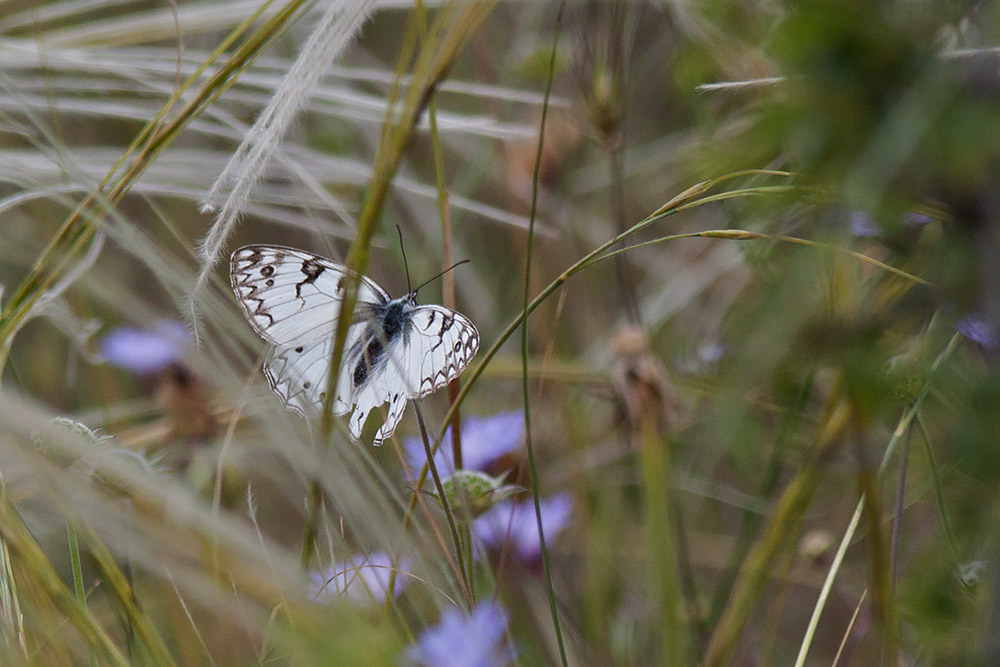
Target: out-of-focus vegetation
{"type": "Point", "coordinates": [760, 367]}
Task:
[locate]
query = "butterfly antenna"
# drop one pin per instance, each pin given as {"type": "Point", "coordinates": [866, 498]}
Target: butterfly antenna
{"type": "Point", "coordinates": [405, 265]}
{"type": "Point", "coordinates": [464, 261]}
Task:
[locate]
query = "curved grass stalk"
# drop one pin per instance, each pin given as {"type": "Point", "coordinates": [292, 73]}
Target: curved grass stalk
{"type": "Point", "coordinates": [688, 199]}
{"type": "Point", "coordinates": [742, 235]}
{"type": "Point", "coordinates": [156, 136]}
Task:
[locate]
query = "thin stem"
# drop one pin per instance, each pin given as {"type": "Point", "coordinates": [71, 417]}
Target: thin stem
{"type": "Point", "coordinates": [448, 282]}
{"type": "Point", "coordinates": [77, 570]}
{"type": "Point", "coordinates": [626, 285]}
{"type": "Point", "coordinates": [525, 383]}
{"type": "Point", "coordinates": [850, 628]}
{"type": "Point", "coordinates": [449, 516]}
{"type": "Point", "coordinates": [845, 541]}
{"type": "Point", "coordinates": [938, 490]}
{"type": "Point", "coordinates": [897, 512]}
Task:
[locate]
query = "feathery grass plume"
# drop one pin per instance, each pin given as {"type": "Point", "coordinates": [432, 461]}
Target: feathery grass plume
{"type": "Point", "coordinates": [334, 32]}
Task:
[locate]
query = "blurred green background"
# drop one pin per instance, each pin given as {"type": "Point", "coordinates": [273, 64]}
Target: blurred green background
{"type": "Point", "coordinates": [715, 409]}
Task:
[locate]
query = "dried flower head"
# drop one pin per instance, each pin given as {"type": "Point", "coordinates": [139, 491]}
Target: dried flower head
{"type": "Point", "coordinates": [640, 380]}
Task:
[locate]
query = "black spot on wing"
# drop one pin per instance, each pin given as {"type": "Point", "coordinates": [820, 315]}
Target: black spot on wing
{"type": "Point", "coordinates": [312, 269]}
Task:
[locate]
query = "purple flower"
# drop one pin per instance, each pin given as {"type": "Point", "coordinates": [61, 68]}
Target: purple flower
{"type": "Point", "coordinates": [517, 523]}
{"type": "Point", "coordinates": [484, 440]}
{"type": "Point", "coordinates": [914, 219]}
{"type": "Point", "coordinates": [978, 330]}
{"type": "Point", "coordinates": [145, 352]}
{"type": "Point", "coordinates": [710, 353]}
{"type": "Point", "coordinates": [363, 580]}
{"type": "Point", "coordinates": [863, 226]}
{"type": "Point", "coordinates": [460, 640]}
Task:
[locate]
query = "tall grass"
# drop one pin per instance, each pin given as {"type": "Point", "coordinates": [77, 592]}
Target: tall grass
{"type": "Point", "coordinates": [749, 251]}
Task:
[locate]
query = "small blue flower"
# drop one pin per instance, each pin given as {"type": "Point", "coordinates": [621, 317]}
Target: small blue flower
{"type": "Point", "coordinates": [978, 330]}
{"type": "Point", "coordinates": [460, 640]}
{"type": "Point", "coordinates": [913, 219]}
{"type": "Point", "coordinates": [484, 440]}
{"type": "Point", "coordinates": [710, 353]}
{"type": "Point", "coordinates": [363, 580]}
{"type": "Point", "coordinates": [517, 524]}
{"type": "Point", "coordinates": [145, 352]}
{"type": "Point", "coordinates": [863, 226]}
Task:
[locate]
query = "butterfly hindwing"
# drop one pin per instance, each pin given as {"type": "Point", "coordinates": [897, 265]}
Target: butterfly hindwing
{"type": "Point", "coordinates": [441, 344]}
{"type": "Point", "coordinates": [433, 349]}
{"type": "Point", "coordinates": [298, 375]}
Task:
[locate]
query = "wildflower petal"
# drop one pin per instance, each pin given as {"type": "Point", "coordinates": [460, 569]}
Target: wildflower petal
{"type": "Point", "coordinates": [978, 330]}
{"type": "Point", "coordinates": [145, 352]}
{"type": "Point", "coordinates": [460, 640]}
{"type": "Point", "coordinates": [517, 523]}
{"type": "Point", "coordinates": [363, 580]}
{"type": "Point", "coordinates": [484, 440]}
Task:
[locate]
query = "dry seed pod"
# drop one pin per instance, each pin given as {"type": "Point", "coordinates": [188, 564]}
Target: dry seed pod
{"type": "Point", "coordinates": [640, 381]}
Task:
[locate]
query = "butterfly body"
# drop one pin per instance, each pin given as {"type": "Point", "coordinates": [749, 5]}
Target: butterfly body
{"type": "Point", "coordinates": [395, 349]}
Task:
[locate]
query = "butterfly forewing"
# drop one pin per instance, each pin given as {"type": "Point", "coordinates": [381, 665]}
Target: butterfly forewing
{"type": "Point", "coordinates": [292, 298]}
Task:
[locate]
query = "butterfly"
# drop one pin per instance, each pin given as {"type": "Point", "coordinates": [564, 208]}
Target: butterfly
{"type": "Point", "coordinates": [395, 349]}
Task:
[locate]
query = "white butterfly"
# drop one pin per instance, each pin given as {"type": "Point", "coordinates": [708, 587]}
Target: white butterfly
{"type": "Point", "coordinates": [394, 350]}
